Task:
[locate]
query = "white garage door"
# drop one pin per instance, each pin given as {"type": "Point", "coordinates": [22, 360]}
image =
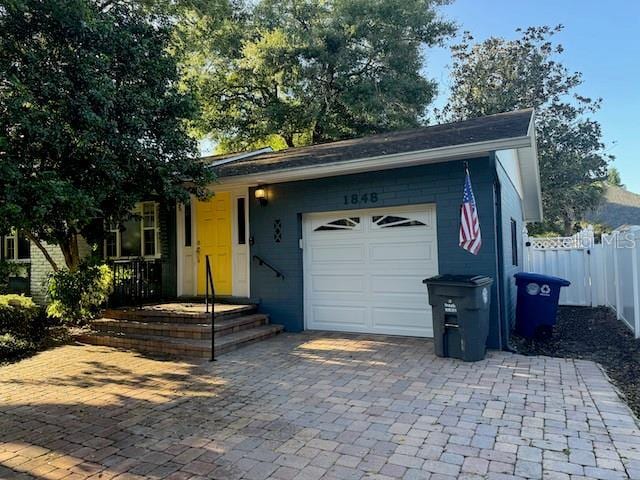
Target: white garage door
{"type": "Point", "coordinates": [363, 270]}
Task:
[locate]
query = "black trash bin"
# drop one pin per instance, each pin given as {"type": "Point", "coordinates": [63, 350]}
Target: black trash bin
{"type": "Point", "coordinates": [460, 305]}
{"type": "Point", "coordinates": [537, 305]}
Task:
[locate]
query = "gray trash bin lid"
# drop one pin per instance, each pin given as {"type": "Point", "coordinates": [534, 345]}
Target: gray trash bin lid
{"type": "Point", "coordinates": [459, 280]}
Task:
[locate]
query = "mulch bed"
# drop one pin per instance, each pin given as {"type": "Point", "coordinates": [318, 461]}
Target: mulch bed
{"type": "Point", "coordinates": [593, 334]}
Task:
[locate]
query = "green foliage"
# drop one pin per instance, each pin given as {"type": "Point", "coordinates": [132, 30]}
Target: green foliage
{"type": "Point", "coordinates": [7, 270]}
{"type": "Point", "coordinates": [12, 347]}
{"type": "Point", "coordinates": [309, 71]}
{"type": "Point", "coordinates": [19, 315]}
{"type": "Point", "coordinates": [76, 296]}
{"type": "Point", "coordinates": [614, 178]}
{"type": "Point", "coordinates": [500, 75]}
{"type": "Point", "coordinates": [92, 119]}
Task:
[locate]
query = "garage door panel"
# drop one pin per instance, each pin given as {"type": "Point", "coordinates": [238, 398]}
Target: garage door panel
{"type": "Point", "coordinates": [401, 284]}
{"type": "Point", "coordinates": [400, 301]}
{"type": "Point", "coordinates": [331, 283]}
{"type": "Point", "coordinates": [401, 317]}
{"type": "Point", "coordinates": [339, 316]}
{"type": "Point", "coordinates": [370, 280]}
{"type": "Point", "coordinates": [337, 253]}
{"type": "Point", "coordinates": [400, 251]}
{"type": "Point", "coordinates": [414, 322]}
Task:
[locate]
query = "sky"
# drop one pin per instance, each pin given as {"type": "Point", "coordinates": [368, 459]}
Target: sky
{"type": "Point", "coordinates": [601, 40]}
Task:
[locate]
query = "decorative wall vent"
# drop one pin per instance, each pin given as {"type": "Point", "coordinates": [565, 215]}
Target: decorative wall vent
{"type": "Point", "coordinates": [392, 221]}
{"type": "Point", "coordinates": [277, 230]}
{"type": "Point", "coordinates": [351, 223]}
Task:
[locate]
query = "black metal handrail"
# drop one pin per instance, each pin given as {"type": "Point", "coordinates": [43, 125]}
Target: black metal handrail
{"type": "Point", "coordinates": [209, 284]}
{"type": "Point", "coordinates": [262, 262]}
{"type": "Point", "coordinates": [135, 281]}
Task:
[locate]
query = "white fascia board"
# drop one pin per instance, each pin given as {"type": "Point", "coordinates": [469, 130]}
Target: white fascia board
{"type": "Point", "coordinates": [382, 162]}
{"type": "Point", "coordinates": [532, 197]}
{"type": "Point", "coordinates": [530, 171]}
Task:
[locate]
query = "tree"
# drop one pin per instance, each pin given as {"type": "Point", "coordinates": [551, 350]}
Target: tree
{"type": "Point", "coordinates": [305, 71]}
{"type": "Point", "coordinates": [499, 75]}
{"type": "Point", "coordinates": [614, 178]}
{"type": "Point", "coordinates": [91, 117]}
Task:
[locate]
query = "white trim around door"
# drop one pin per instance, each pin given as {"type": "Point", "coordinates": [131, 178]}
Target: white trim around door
{"type": "Point", "coordinates": [186, 259]}
{"type": "Point", "coordinates": [240, 238]}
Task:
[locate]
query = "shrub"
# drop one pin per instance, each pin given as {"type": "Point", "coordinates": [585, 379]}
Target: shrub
{"type": "Point", "coordinates": [12, 346]}
{"type": "Point", "coordinates": [7, 270]}
{"type": "Point", "coordinates": [20, 316]}
{"type": "Point", "coordinates": [76, 297]}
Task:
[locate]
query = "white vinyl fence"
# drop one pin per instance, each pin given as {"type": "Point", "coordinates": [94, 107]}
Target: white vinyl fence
{"type": "Point", "coordinates": [621, 270]}
{"type": "Point", "coordinates": [600, 274]}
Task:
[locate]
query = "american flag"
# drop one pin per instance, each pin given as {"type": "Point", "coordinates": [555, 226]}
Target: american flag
{"type": "Point", "coordinates": [470, 238]}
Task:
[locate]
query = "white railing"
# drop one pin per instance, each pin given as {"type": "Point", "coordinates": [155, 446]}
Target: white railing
{"type": "Point", "coordinates": [605, 273]}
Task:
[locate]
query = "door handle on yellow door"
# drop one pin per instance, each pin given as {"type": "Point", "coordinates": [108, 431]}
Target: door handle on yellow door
{"type": "Point", "coordinates": [198, 253]}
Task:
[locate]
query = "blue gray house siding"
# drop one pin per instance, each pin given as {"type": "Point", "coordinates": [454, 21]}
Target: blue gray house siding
{"type": "Point", "coordinates": [511, 207]}
{"type": "Point", "coordinates": [441, 184]}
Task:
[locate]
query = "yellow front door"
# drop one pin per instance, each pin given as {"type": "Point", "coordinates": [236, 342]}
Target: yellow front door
{"type": "Point", "coordinates": [213, 220]}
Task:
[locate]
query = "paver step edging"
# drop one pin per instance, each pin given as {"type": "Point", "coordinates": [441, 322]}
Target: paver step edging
{"type": "Point", "coordinates": [202, 331]}
{"type": "Point", "coordinates": [180, 346]}
{"type": "Point", "coordinates": [148, 315]}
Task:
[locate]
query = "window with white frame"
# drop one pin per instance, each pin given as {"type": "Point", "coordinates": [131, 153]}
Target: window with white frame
{"type": "Point", "coordinates": [15, 246]}
{"type": "Point", "coordinates": [137, 237]}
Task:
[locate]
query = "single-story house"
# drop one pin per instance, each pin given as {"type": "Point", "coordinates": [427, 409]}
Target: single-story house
{"type": "Point", "coordinates": [339, 236]}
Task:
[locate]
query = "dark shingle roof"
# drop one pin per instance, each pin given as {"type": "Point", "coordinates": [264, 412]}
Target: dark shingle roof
{"type": "Point", "coordinates": [482, 129]}
{"type": "Point", "coordinates": [619, 207]}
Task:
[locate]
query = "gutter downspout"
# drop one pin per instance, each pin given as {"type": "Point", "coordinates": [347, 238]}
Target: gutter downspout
{"type": "Point", "coordinates": [503, 333]}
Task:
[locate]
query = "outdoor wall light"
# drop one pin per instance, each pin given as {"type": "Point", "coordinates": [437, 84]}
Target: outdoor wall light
{"type": "Point", "coordinates": [261, 195]}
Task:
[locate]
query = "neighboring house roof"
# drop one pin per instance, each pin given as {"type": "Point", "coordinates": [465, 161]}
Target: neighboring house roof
{"type": "Point", "coordinates": [433, 144]}
{"type": "Point", "coordinates": [619, 207]}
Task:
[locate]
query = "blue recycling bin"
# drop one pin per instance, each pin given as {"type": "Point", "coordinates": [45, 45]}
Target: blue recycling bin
{"type": "Point", "coordinates": [537, 305]}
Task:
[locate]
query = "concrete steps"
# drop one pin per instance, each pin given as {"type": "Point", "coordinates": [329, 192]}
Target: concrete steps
{"type": "Point", "coordinates": [182, 330]}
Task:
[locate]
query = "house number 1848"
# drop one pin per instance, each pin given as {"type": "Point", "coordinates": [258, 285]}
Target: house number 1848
{"type": "Point", "coordinates": [357, 199]}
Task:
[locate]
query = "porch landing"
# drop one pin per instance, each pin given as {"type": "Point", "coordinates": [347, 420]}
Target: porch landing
{"type": "Point", "coordinates": [180, 329]}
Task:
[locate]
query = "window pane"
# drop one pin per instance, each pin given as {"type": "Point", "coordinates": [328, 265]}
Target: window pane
{"type": "Point", "coordinates": [149, 242]}
{"type": "Point", "coordinates": [149, 215]}
{"type": "Point", "coordinates": [351, 223]}
{"type": "Point", "coordinates": [390, 221]}
{"type": "Point", "coordinates": [24, 247]}
{"type": "Point", "coordinates": [130, 241]}
{"type": "Point", "coordinates": [514, 242]}
{"type": "Point", "coordinates": [10, 248]}
{"type": "Point", "coordinates": [112, 248]}
{"type": "Point", "coordinates": [242, 232]}
{"type": "Point", "coordinates": [187, 224]}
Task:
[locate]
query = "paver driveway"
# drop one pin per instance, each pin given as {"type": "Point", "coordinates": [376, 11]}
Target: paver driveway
{"type": "Point", "coordinates": [310, 406]}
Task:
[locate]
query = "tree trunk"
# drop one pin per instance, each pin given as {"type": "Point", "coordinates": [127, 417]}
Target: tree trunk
{"type": "Point", "coordinates": [318, 135]}
{"type": "Point", "coordinates": [44, 251]}
{"type": "Point", "coordinates": [69, 247]}
{"type": "Point", "coordinates": [567, 226]}
{"type": "Point", "coordinates": [288, 139]}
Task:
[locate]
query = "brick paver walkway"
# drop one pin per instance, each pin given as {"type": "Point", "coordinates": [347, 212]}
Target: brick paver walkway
{"type": "Point", "coordinates": [312, 406]}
